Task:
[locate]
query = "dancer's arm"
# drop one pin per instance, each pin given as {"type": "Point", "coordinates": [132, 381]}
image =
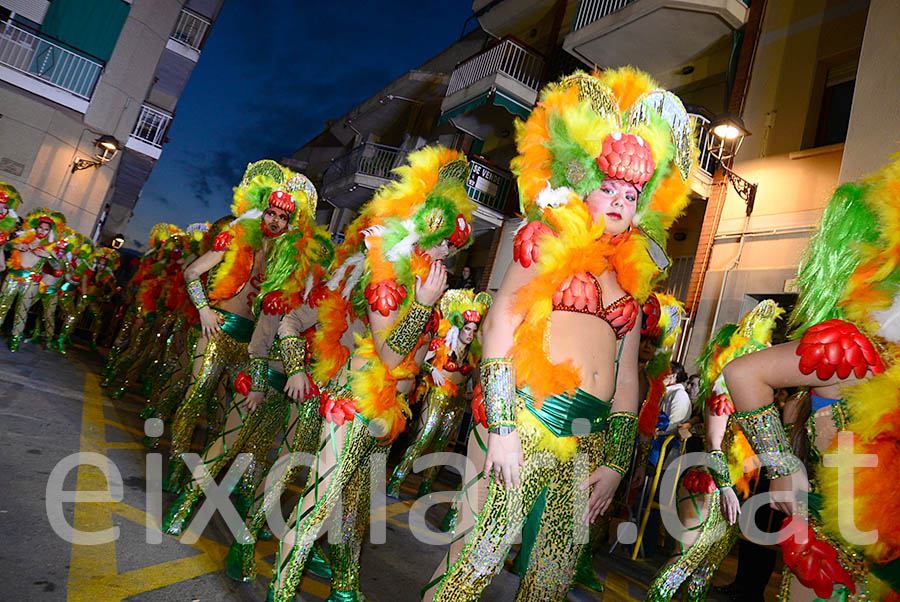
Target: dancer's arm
{"type": "Point", "coordinates": [715, 433]}
{"type": "Point", "coordinates": [258, 352]}
{"type": "Point", "coordinates": [293, 349]}
{"type": "Point", "coordinates": [390, 334]}
{"type": "Point", "coordinates": [210, 321]}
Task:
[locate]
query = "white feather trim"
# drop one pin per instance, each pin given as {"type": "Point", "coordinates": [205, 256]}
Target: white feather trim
{"type": "Point", "coordinates": [251, 214]}
{"type": "Point", "coordinates": [553, 197]}
{"type": "Point", "coordinates": [452, 338]}
{"type": "Point", "coordinates": [405, 247]}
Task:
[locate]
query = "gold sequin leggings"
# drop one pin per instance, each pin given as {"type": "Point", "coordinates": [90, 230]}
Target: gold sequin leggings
{"type": "Point", "coordinates": [70, 307]}
{"type": "Point", "coordinates": [303, 429]}
{"type": "Point", "coordinates": [499, 523]}
{"type": "Point", "coordinates": [19, 291]}
{"type": "Point", "coordinates": [218, 356]}
{"type": "Point", "coordinates": [47, 319]}
{"type": "Point", "coordinates": [438, 424]}
{"type": "Point", "coordinates": [130, 362]}
{"type": "Point", "coordinates": [341, 475]}
{"type": "Point", "coordinates": [706, 541]}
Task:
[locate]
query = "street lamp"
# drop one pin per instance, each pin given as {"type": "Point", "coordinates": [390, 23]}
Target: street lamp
{"type": "Point", "coordinates": [727, 134]}
{"type": "Point", "coordinates": [117, 242]}
{"type": "Point", "coordinates": [108, 146]}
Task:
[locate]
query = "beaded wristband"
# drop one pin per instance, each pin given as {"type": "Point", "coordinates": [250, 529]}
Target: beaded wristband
{"type": "Point", "coordinates": [717, 464]}
{"type": "Point", "coordinates": [498, 384]}
{"type": "Point", "coordinates": [197, 294]}
{"type": "Point", "coordinates": [766, 436]}
{"type": "Point", "coordinates": [619, 442]}
{"type": "Point", "coordinates": [259, 374]}
{"type": "Point", "coordinates": [408, 329]}
{"type": "Point", "coordinates": [293, 354]}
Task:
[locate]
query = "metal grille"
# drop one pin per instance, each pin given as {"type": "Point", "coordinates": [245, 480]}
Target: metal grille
{"type": "Point", "coordinates": [190, 29]}
{"type": "Point", "coordinates": [705, 160]}
{"type": "Point", "coordinates": [487, 185]}
{"type": "Point", "coordinates": [592, 10]}
{"type": "Point", "coordinates": [51, 63]}
{"type": "Point", "coordinates": [679, 277]}
{"type": "Point", "coordinates": [508, 58]}
{"type": "Point", "coordinates": [151, 126]}
{"type": "Point", "coordinates": [369, 159]}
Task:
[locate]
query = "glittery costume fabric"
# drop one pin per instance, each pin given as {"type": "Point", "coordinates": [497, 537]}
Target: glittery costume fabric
{"type": "Point", "coordinates": [92, 306]}
{"type": "Point", "coordinates": [70, 307]}
{"type": "Point", "coordinates": [130, 362]}
{"type": "Point", "coordinates": [47, 319]}
{"type": "Point", "coordinates": [341, 475]}
{"type": "Point", "coordinates": [302, 430]}
{"type": "Point", "coordinates": [21, 292]}
{"type": "Point", "coordinates": [223, 354]}
{"type": "Point", "coordinates": [122, 337]}
{"type": "Point", "coordinates": [500, 521]}
{"type": "Point", "coordinates": [438, 425]}
{"type": "Point", "coordinates": [168, 390]}
{"type": "Point", "coordinates": [852, 559]}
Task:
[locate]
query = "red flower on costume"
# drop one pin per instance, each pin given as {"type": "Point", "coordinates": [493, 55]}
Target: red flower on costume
{"type": "Point", "coordinates": [461, 235]}
{"type": "Point", "coordinates": [836, 346]}
{"type": "Point", "coordinates": [579, 292]}
{"type": "Point", "coordinates": [623, 316]}
{"type": "Point", "coordinates": [815, 562]}
{"type": "Point", "coordinates": [652, 313]}
{"type": "Point", "coordinates": [222, 240]}
{"type": "Point", "coordinates": [435, 344]}
{"type": "Point", "coordinates": [478, 413]}
{"type": "Point", "coordinates": [337, 411]}
{"type": "Point", "coordinates": [243, 383]}
{"type": "Point", "coordinates": [627, 157]}
{"type": "Point", "coordinates": [273, 303]}
{"type": "Point", "coordinates": [385, 296]}
{"type": "Point", "coordinates": [316, 295]}
{"type": "Point", "coordinates": [721, 405]}
{"type": "Point", "coordinates": [525, 249]}
{"type": "Point", "coordinates": [698, 481]}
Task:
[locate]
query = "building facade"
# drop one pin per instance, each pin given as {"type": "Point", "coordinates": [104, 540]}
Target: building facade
{"type": "Point", "coordinates": [73, 71]}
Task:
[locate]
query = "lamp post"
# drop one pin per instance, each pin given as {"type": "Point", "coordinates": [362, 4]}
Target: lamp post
{"type": "Point", "coordinates": [109, 148]}
{"type": "Point", "coordinates": [117, 242]}
{"type": "Point", "coordinates": [728, 133]}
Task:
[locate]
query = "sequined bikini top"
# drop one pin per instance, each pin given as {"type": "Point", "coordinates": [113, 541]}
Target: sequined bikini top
{"type": "Point", "coordinates": [580, 293]}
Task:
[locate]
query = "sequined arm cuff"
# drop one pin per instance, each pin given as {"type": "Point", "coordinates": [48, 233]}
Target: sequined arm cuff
{"type": "Point", "coordinates": [197, 294]}
{"type": "Point", "coordinates": [293, 354]}
{"type": "Point", "coordinates": [408, 329]}
{"type": "Point", "coordinates": [767, 438]}
{"type": "Point", "coordinates": [643, 453]}
{"type": "Point", "coordinates": [717, 464]}
{"type": "Point", "coordinates": [498, 384]}
{"type": "Point", "coordinates": [259, 374]}
{"type": "Point", "coordinates": [619, 443]}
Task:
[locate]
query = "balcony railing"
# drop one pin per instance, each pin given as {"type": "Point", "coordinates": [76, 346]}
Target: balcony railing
{"type": "Point", "coordinates": [45, 60]}
{"type": "Point", "coordinates": [705, 161]}
{"type": "Point", "coordinates": [592, 10]}
{"type": "Point", "coordinates": [190, 29]}
{"type": "Point", "coordinates": [151, 126]}
{"type": "Point", "coordinates": [368, 159]}
{"type": "Point", "coordinates": [487, 185]}
{"type": "Point", "coordinates": [508, 58]}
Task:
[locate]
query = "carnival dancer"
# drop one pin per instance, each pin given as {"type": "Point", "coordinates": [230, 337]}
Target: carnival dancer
{"type": "Point", "coordinates": [709, 498]}
{"type": "Point", "coordinates": [31, 250]}
{"type": "Point", "coordinates": [71, 290]}
{"type": "Point", "coordinates": [10, 199]}
{"type": "Point", "coordinates": [170, 367]}
{"type": "Point", "coordinates": [846, 323]}
{"type": "Point", "coordinates": [602, 171]}
{"type": "Point", "coordinates": [449, 363]}
{"type": "Point", "coordinates": [143, 292]}
{"type": "Point", "coordinates": [388, 275]}
{"type": "Point", "coordinates": [54, 274]}
{"type": "Point", "coordinates": [99, 287]}
{"type": "Point", "coordinates": [260, 410]}
{"type": "Point", "coordinates": [268, 199]}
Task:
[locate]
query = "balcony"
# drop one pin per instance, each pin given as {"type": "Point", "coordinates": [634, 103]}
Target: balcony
{"type": "Point", "coordinates": [46, 68]}
{"type": "Point", "coordinates": [189, 35]}
{"type": "Point", "coordinates": [705, 164]}
{"type": "Point", "coordinates": [489, 87]}
{"type": "Point", "coordinates": [149, 132]}
{"type": "Point", "coordinates": [654, 35]}
{"type": "Point", "coordinates": [351, 178]}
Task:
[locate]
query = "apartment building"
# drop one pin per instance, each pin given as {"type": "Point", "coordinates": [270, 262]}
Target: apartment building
{"type": "Point", "coordinates": [88, 90]}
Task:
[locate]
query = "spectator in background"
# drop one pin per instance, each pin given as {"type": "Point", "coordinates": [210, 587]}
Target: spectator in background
{"type": "Point", "coordinates": [692, 386]}
{"type": "Point", "coordinates": [465, 279]}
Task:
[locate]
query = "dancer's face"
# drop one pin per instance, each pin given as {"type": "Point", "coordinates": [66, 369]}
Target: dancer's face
{"type": "Point", "coordinates": [440, 251]}
{"type": "Point", "coordinates": [43, 229]}
{"type": "Point", "coordinates": [275, 221]}
{"type": "Point", "coordinates": [616, 202]}
{"type": "Point", "coordinates": [4, 205]}
{"type": "Point", "coordinates": [467, 333]}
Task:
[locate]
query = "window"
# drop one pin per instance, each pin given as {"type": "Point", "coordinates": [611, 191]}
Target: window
{"type": "Point", "coordinates": [837, 99]}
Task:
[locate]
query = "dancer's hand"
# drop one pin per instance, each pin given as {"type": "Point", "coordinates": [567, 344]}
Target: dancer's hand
{"type": "Point", "coordinates": [254, 400]}
{"type": "Point", "coordinates": [784, 492]}
{"type": "Point", "coordinates": [297, 386]}
{"type": "Point", "coordinates": [429, 291]}
{"type": "Point", "coordinates": [210, 321]}
{"type": "Point", "coordinates": [504, 457]}
{"type": "Point", "coordinates": [731, 505]}
{"type": "Point", "coordinates": [438, 377]}
{"type": "Point", "coordinates": [605, 481]}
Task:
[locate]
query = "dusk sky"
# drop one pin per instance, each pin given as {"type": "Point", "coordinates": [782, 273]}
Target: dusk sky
{"type": "Point", "coordinates": [270, 75]}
